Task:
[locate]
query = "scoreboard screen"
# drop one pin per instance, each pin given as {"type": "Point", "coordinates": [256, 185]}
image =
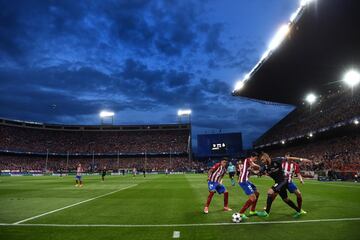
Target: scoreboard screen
{"type": "Point", "coordinates": [218, 148]}
{"type": "Point", "coordinates": [219, 144]}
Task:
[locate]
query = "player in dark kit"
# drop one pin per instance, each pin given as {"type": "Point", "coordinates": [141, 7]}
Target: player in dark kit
{"type": "Point", "coordinates": [290, 167]}
{"type": "Point", "coordinates": [273, 168]}
{"type": "Point", "coordinates": [103, 174]}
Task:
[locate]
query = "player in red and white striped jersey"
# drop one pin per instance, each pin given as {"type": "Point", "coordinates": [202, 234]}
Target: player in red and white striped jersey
{"type": "Point", "coordinates": [215, 175]}
{"type": "Point", "coordinates": [78, 177]}
{"type": "Point", "coordinates": [248, 187]}
{"type": "Point", "coordinates": [291, 168]}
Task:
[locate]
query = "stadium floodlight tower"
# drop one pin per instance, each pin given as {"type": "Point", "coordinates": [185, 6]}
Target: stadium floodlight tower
{"type": "Point", "coordinates": [183, 113]}
{"type": "Point", "coordinates": [106, 115]}
{"type": "Point", "coordinates": [352, 78]}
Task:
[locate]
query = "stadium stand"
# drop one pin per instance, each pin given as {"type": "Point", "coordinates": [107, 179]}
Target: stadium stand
{"type": "Point", "coordinates": [339, 154]}
{"type": "Point", "coordinates": [28, 146]}
{"type": "Point", "coordinates": [330, 111]}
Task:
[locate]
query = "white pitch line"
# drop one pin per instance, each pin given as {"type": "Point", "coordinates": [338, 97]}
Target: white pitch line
{"type": "Point", "coordinates": [179, 225]}
{"type": "Point", "coordinates": [72, 205]}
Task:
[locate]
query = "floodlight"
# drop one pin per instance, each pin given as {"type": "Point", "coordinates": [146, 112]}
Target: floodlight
{"type": "Point", "coordinates": [184, 112]}
{"type": "Point", "coordinates": [104, 114]}
{"type": "Point", "coordinates": [310, 98]}
{"type": "Point", "coordinates": [282, 142]}
{"type": "Point", "coordinates": [265, 54]}
{"type": "Point", "coordinates": [356, 122]}
{"type": "Point", "coordinates": [303, 3]}
{"type": "Point", "coordinates": [239, 85]}
{"type": "Point", "coordinates": [352, 78]}
{"type": "Point", "coordinates": [295, 14]}
{"type": "Point", "coordinates": [279, 37]}
{"type": "Point", "coordinates": [311, 134]}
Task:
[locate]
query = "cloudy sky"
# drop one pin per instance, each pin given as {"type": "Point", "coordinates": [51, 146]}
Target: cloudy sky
{"type": "Point", "coordinates": [64, 61]}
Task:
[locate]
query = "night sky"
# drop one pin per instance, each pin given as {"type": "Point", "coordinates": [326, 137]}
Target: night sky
{"type": "Point", "coordinates": [64, 61]}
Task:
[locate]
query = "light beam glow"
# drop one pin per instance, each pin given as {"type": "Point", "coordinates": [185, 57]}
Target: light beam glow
{"type": "Point", "coordinates": [311, 98]}
{"type": "Point", "coordinates": [279, 37]}
{"type": "Point", "coordinates": [105, 113]}
{"type": "Point", "coordinates": [184, 112]}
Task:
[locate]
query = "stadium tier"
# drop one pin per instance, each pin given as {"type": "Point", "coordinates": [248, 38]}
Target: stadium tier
{"type": "Point", "coordinates": [27, 145]}
{"type": "Point", "coordinates": [60, 139]}
{"type": "Point", "coordinates": [329, 112]}
{"type": "Point", "coordinates": [338, 153]}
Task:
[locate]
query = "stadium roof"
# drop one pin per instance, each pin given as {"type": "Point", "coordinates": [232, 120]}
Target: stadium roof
{"type": "Point", "coordinates": [322, 44]}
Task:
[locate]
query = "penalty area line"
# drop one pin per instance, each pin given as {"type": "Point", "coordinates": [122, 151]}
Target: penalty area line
{"type": "Point", "coordinates": [178, 225]}
{"type": "Point", "coordinates": [72, 205]}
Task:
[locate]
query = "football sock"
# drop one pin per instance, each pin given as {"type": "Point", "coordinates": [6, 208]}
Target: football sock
{"type": "Point", "coordinates": [292, 205]}
{"type": "Point", "coordinates": [269, 201]}
{"type": "Point", "coordinates": [211, 194]}
{"type": "Point", "coordinates": [253, 206]}
{"type": "Point", "coordinates": [299, 202]}
{"type": "Point", "coordinates": [226, 199]}
{"type": "Point", "coordinates": [246, 206]}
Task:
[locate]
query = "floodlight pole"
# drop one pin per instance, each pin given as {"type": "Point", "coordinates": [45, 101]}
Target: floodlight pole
{"type": "Point", "coordinates": [102, 120]}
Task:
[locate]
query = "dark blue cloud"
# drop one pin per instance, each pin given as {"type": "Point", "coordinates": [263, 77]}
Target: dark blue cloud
{"type": "Point", "coordinates": [64, 61]}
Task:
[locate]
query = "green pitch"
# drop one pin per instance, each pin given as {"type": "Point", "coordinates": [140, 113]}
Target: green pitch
{"type": "Point", "coordinates": [53, 208]}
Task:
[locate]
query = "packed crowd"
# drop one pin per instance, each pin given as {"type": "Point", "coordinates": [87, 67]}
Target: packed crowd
{"type": "Point", "coordinates": [57, 164]}
{"type": "Point", "coordinates": [337, 154]}
{"type": "Point", "coordinates": [37, 140]}
{"type": "Point", "coordinates": [326, 112]}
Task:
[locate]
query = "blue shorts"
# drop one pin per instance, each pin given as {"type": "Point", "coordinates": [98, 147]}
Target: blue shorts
{"type": "Point", "coordinates": [291, 187]}
{"type": "Point", "coordinates": [77, 177]}
{"type": "Point", "coordinates": [215, 186]}
{"type": "Point", "coordinates": [248, 187]}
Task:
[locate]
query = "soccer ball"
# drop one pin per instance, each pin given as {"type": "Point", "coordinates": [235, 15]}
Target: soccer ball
{"type": "Point", "coordinates": [236, 218]}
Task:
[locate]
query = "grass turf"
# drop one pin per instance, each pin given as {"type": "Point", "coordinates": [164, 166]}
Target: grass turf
{"type": "Point", "coordinates": [159, 200]}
